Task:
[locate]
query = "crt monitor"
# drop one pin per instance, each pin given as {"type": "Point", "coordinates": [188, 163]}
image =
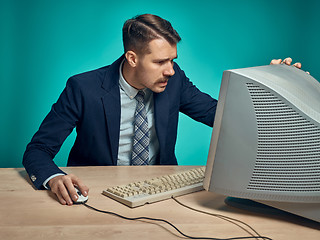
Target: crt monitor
{"type": "Point", "coordinates": [265, 143]}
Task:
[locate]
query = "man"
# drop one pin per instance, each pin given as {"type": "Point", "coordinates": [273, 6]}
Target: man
{"type": "Point", "coordinates": [101, 105]}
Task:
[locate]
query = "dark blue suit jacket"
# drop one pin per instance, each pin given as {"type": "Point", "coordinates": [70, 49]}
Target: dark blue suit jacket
{"type": "Point", "coordinates": [90, 103]}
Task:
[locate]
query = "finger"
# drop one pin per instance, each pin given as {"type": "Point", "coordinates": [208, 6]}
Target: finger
{"type": "Point", "coordinates": [82, 187]}
{"type": "Point", "coordinates": [70, 188]}
{"type": "Point", "coordinates": [56, 190]}
{"type": "Point", "coordinates": [297, 65]}
{"type": "Point", "coordinates": [275, 61]}
{"type": "Point", "coordinates": [65, 194]}
{"type": "Point", "coordinates": [287, 61]}
{"type": "Point", "coordinates": [60, 198]}
{"type": "Point", "coordinates": [54, 186]}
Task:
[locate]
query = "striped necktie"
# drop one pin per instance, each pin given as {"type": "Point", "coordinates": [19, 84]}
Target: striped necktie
{"type": "Point", "coordinates": [141, 138]}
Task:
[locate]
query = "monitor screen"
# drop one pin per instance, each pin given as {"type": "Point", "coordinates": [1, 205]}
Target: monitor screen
{"type": "Point", "coordinates": [265, 143]}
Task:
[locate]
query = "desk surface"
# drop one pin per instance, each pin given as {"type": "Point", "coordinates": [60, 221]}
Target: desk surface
{"type": "Point", "coordinates": [29, 214]}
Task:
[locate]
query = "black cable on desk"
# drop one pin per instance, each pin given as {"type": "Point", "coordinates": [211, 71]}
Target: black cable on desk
{"type": "Point", "coordinates": [167, 222]}
{"type": "Point", "coordinates": [228, 219]}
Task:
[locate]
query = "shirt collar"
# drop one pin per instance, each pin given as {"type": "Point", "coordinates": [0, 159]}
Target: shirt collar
{"type": "Point", "coordinates": [130, 91]}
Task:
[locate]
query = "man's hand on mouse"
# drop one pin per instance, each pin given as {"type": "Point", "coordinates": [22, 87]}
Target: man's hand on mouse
{"type": "Point", "coordinates": [64, 187]}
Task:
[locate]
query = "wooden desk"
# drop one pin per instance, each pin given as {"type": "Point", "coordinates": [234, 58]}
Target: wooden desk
{"type": "Point", "coordinates": [29, 214]}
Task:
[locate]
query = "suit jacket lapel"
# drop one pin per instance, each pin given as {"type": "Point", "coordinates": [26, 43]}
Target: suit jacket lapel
{"type": "Point", "coordinates": [112, 107]}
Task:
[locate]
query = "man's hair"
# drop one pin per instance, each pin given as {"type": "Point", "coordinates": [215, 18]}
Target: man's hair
{"type": "Point", "coordinates": [140, 30]}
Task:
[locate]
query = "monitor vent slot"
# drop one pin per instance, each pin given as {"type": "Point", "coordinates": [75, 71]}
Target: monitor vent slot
{"type": "Point", "coordinates": [288, 155]}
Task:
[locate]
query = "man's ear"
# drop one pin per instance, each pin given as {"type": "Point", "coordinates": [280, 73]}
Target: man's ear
{"type": "Point", "coordinates": [132, 58]}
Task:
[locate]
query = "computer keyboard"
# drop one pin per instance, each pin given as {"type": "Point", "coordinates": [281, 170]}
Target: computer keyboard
{"type": "Point", "coordinates": [159, 188]}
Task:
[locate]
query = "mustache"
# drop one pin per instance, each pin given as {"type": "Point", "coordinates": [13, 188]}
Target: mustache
{"type": "Point", "coordinates": [165, 79]}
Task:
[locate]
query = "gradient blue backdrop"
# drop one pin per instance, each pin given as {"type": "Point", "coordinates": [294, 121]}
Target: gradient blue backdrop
{"type": "Point", "coordinates": [44, 42]}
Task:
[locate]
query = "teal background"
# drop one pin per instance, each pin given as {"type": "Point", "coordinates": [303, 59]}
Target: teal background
{"type": "Point", "coordinates": [44, 42]}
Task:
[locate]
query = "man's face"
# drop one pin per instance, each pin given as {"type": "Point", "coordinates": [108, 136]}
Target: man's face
{"type": "Point", "coordinates": [156, 67]}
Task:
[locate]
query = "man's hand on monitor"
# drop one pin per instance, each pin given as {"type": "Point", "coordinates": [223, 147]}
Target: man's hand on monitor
{"type": "Point", "coordinates": [287, 61]}
{"type": "Point", "coordinates": [64, 187]}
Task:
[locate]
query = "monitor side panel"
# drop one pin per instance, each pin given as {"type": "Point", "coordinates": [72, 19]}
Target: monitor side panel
{"type": "Point", "coordinates": [233, 144]}
{"type": "Point", "coordinates": [216, 130]}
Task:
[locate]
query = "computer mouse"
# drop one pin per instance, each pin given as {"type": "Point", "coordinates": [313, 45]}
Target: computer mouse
{"type": "Point", "coordinates": [81, 198]}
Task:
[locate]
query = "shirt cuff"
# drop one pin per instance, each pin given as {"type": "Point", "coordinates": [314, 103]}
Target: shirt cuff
{"type": "Point", "coordinates": [49, 178]}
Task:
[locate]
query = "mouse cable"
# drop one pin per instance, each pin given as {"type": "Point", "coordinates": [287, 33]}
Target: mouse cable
{"type": "Point", "coordinates": [226, 218]}
{"type": "Point", "coordinates": [167, 222]}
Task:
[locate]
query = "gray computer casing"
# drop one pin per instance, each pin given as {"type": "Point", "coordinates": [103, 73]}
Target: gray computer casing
{"type": "Point", "coordinates": [265, 143]}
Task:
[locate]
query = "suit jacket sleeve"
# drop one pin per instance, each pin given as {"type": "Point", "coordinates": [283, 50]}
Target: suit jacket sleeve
{"type": "Point", "coordinates": [194, 103]}
{"type": "Point", "coordinates": [47, 141]}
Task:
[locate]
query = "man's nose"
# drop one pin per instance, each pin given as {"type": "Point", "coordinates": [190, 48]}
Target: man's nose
{"type": "Point", "coordinates": [169, 71]}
